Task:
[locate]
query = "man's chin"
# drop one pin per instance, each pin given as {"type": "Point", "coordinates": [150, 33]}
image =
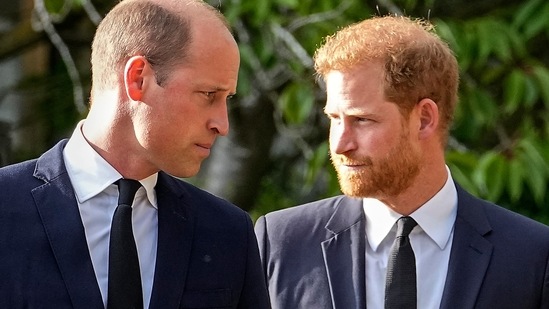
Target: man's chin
{"type": "Point", "coordinates": [354, 188]}
{"type": "Point", "coordinates": [186, 172]}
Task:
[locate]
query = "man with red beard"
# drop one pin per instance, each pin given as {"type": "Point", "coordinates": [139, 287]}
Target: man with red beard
{"type": "Point", "coordinates": [391, 93]}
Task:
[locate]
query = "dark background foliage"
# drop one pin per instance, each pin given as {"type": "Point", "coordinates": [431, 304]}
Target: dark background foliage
{"type": "Point", "coordinates": [276, 155]}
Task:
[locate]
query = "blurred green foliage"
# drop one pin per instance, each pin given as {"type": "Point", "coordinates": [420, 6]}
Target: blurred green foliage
{"type": "Point", "coordinates": [498, 150]}
{"type": "Point", "coordinates": [499, 146]}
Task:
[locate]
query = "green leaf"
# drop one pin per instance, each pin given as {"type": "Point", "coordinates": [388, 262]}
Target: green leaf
{"type": "Point", "coordinates": [297, 102]}
{"type": "Point", "coordinates": [496, 173]}
{"type": "Point", "coordinates": [532, 151]}
{"type": "Point", "coordinates": [480, 174]}
{"type": "Point", "coordinates": [531, 92]}
{"type": "Point", "coordinates": [445, 32]}
{"type": "Point", "coordinates": [466, 39]}
{"type": "Point", "coordinates": [318, 162]}
{"type": "Point", "coordinates": [258, 9]}
{"type": "Point", "coordinates": [54, 6]}
{"type": "Point", "coordinates": [518, 44]}
{"type": "Point", "coordinates": [500, 41]}
{"type": "Point", "coordinates": [522, 17]}
{"type": "Point", "coordinates": [244, 86]}
{"type": "Point", "coordinates": [542, 77]}
{"type": "Point", "coordinates": [515, 180]}
{"type": "Point", "coordinates": [484, 41]}
{"type": "Point", "coordinates": [464, 160]}
{"type": "Point", "coordinates": [537, 23]}
{"type": "Point", "coordinates": [461, 165]}
{"type": "Point", "coordinates": [232, 12]}
{"type": "Point", "coordinates": [292, 4]}
{"type": "Point", "coordinates": [535, 169]}
{"type": "Point", "coordinates": [486, 107]}
{"type": "Point", "coordinates": [514, 91]}
{"type": "Point", "coordinates": [246, 54]}
{"type": "Point", "coordinates": [461, 178]}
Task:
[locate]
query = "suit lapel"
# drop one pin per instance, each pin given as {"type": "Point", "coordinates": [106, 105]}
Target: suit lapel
{"type": "Point", "coordinates": [344, 255]}
{"type": "Point", "coordinates": [56, 203]}
{"type": "Point", "coordinates": [470, 255]}
{"type": "Point", "coordinates": [175, 236]}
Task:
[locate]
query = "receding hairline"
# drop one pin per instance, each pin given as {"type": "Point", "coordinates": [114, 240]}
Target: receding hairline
{"type": "Point", "coordinates": [191, 10]}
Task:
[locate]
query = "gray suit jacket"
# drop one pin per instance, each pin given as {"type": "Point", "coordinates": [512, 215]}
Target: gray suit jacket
{"type": "Point", "coordinates": [314, 257]}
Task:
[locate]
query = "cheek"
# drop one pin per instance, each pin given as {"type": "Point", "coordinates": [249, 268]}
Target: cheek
{"type": "Point", "coordinates": [334, 139]}
{"type": "Point", "coordinates": [144, 127]}
{"type": "Point", "coordinates": [377, 143]}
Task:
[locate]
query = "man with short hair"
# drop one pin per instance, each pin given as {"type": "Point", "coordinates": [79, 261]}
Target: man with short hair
{"type": "Point", "coordinates": [162, 73]}
{"type": "Point", "coordinates": [404, 234]}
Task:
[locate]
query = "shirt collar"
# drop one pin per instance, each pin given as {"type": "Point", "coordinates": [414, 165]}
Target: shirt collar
{"type": "Point", "coordinates": [436, 217]}
{"type": "Point", "coordinates": [90, 174]}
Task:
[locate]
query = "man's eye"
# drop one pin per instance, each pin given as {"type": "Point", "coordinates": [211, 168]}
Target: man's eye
{"type": "Point", "coordinates": [334, 119]}
{"type": "Point", "coordinates": [209, 94]}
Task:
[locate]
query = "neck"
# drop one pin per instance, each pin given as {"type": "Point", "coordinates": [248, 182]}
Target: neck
{"type": "Point", "coordinates": [427, 184]}
{"type": "Point", "coordinates": [109, 131]}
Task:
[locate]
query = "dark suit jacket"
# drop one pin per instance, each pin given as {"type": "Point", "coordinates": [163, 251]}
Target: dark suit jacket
{"type": "Point", "coordinates": [314, 257]}
{"type": "Point", "coordinates": [207, 253]}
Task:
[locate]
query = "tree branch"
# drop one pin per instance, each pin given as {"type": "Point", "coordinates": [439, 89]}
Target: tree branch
{"type": "Point", "coordinates": [47, 25]}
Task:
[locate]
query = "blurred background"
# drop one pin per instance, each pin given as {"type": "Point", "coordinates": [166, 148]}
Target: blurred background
{"type": "Point", "coordinates": [276, 155]}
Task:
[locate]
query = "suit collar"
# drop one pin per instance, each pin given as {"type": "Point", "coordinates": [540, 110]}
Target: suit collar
{"type": "Point", "coordinates": [50, 164]}
{"type": "Point", "coordinates": [345, 258]}
{"type": "Point", "coordinates": [344, 255]}
{"type": "Point", "coordinates": [470, 255]}
{"type": "Point", "coordinates": [56, 203]}
{"type": "Point", "coordinates": [58, 208]}
{"type": "Point", "coordinates": [348, 212]}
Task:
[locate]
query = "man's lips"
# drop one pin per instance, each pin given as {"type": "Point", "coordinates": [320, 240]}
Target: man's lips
{"type": "Point", "coordinates": [351, 163]}
{"type": "Point", "coordinates": [352, 166]}
{"type": "Point", "coordinates": [205, 146]}
{"type": "Point", "coordinates": [204, 149]}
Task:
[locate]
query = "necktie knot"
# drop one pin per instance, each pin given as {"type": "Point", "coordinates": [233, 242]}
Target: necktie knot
{"type": "Point", "coordinates": [405, 225]}
{"type": "Point", "coordinates": [127, 189]}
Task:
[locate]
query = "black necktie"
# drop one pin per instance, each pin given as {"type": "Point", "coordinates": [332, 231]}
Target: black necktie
{"type": "Point", "coordinates": [124, 275]}
{"type": "Point", "coordinates": [400, 285]}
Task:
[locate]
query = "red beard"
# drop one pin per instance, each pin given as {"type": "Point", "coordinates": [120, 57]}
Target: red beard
{"type": "Point", "coordinates": [384, 177]}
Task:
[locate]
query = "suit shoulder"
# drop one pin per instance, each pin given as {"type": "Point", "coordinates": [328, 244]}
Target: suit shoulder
{"type": "Point", "coordinates": [509, 220]}
{"type": "Point", "coordinates": [500, 220]}
{"type": "Point", "coordinates": [205, 201]}
{"type": "Point", "coordinates": [305, 218]}
{"type": "Point", "coordinates": [18, 172]}
{"type": "Point", "coordinates": [314, 208]}
{"type": "Point", "coordinates": [19, 167]}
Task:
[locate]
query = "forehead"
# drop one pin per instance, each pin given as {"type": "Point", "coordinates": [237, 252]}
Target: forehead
{"type": "Point", "coordinates": [212, 59]}
{"type": "Point", "coordinates": [363, 83]}
{"type": "Point", "coordinates": [366, 72]}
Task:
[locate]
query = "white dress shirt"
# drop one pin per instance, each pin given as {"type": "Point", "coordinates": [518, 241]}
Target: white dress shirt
{"type": "Point", "coordinates": [431, 241]}
{"type": "Point", "coordinates": [92, 178]}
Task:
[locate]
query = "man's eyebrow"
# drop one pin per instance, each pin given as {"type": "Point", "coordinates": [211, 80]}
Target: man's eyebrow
{"type": "Point", "coordinates": [231, 93]}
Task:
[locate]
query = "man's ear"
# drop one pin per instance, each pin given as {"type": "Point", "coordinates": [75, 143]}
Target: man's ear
{"type": "Point", "coordinates": [134, 77]}
{"type": "Point", "coordinates": [429, 118]}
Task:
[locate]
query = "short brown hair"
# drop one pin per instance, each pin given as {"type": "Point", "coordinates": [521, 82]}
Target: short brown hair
{"type": "Point", "coordinates": [140, 28]}
{"type": "Point", "coordinates": [417, 63]}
